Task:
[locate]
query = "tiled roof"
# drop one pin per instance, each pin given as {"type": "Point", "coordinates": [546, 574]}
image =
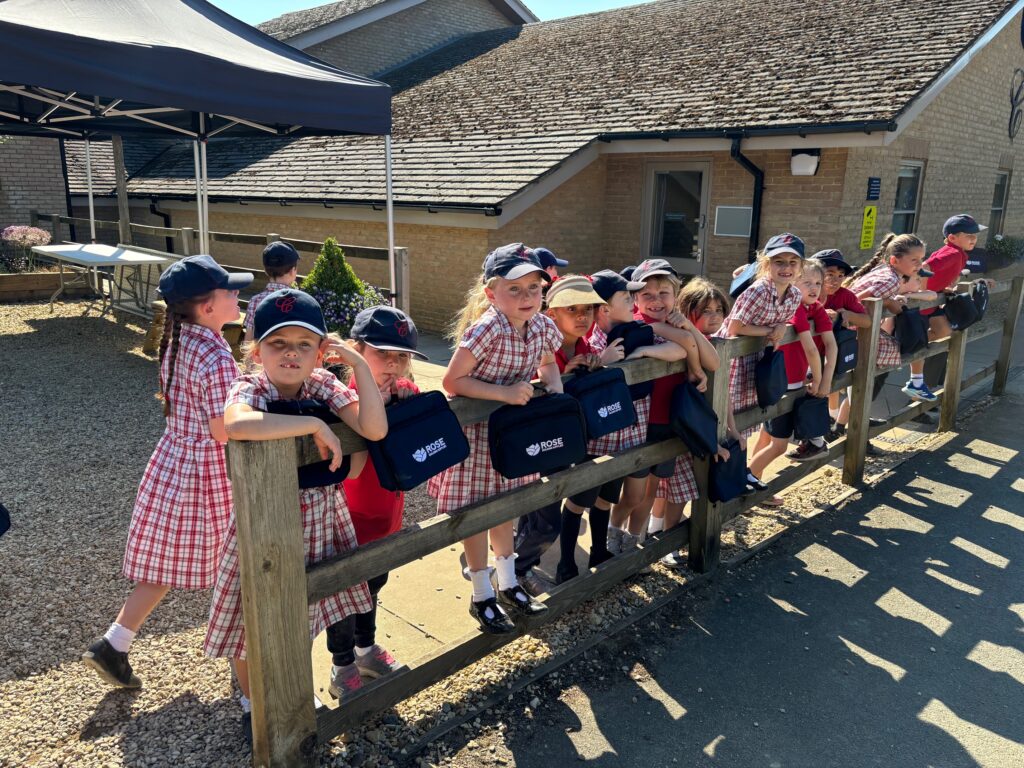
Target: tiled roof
{"type": "Point", "coordinates": [483, 117]}
{"type": "Point", "coordinates": [137, 152]}
{"type": "Point", "coordinates": [295, 23]}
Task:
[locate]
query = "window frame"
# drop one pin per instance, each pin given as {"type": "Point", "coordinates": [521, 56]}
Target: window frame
{"type": "Point", "coordinates": [916, 212]}
{"type": "Point", "coordinates": [1002, 209]}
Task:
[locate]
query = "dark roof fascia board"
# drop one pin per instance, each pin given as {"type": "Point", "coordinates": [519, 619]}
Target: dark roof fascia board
{"type": "Point", "coordinates": [871, 126]}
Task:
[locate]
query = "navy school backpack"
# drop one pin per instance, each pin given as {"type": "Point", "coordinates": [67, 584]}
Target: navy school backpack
{"type": "Point", "coordinates": [743, 280]}
{"type": "Point", "coordinates": [318, 474]}
{"type": "Point", "coordinates": [634, 335]}
{"type": "Point", "coordinates": [543, 436]}
{"type": "Point", "coordinates": [728, 479]}
{"type": "Point", "coordinates": [605, 399]}
{"type": "Point", "coordinates": [846, 348]}
{"type": "Point", "coordinates": [424, 438]}
{"type": "Point", "coordinates": [693, 420]}
{"type": "Point", "coordinates": [965, 309]}
{"type": "Point", "coordinates": [810, 417]}
{"type": "Point", "coordinates": [911, 330]}
{"type": "Point", "coordinates": [770, 375]}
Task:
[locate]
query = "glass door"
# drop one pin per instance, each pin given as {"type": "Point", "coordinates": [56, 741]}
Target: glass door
{"type": "Point", "coordinates": [676, 208]}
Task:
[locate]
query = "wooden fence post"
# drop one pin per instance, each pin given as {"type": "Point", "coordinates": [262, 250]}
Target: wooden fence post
{"type": "Point", "coordinates": [705, 519]}
{"type": "Point", "coordinates": [272, 237]}
{"type": "Point", "coordinates": [187, 235]}
{"type": "Point", "coordinates": [1009, 331]}
{"type": "Point", "coordinates": [954, 375]}
{"type": "Point", "coordinates": [271, 555]}
{"type": "Point", "coordinates": [402, 279]}
{"type": "Point", "coordinates": [124, 229]}
{"type": "Point", "coordinates": [57, 231]}
{"type": "Point", "coordinates": [860, 402]}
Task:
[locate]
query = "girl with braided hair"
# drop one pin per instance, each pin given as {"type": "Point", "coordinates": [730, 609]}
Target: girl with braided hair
{"type": "Point", "coordinates": [183, 506]}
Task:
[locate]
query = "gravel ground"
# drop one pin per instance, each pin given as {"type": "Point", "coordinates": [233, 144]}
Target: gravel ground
{"type": "Point", "coordinates": [79, 424]}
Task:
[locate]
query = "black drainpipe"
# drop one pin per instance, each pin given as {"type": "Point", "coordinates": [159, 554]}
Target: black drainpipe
{"type": "Point", "coordinates": [168, 241]}
{"type": "Point", "coordinates": [755, 207]}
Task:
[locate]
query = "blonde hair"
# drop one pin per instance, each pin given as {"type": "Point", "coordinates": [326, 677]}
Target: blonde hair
{"type": "Point", "coordinates": [764, 264]}
{"type": "Point", "coordinates": [697, 294]}
{"type": "Point", "coordinates": [659, 279]}
{"type": "Point", "coordinates": [892, 246]}
{"type": "Point", "coordinates": [816, 266]}
{"type": "Point", "coordinates": [476, 304]}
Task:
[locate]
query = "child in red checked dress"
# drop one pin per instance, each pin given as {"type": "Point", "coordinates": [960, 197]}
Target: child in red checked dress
{"type": "Point", "coordinates": [386, 337]}
{"type": "Point", "coordinates": [184, 503]}
{"type": "Point", "coordinates": [763, 310]}
{"type": "Point", "coordinates": [290, 345]}
{"type": "Point", "coordinates": [503, 342]}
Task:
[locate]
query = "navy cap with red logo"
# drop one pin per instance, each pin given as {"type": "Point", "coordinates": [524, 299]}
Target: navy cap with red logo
{"type": "Point", "coordinates": [833, 257]}
{"type": "Point", "coordinates": [279, 255]}
{"type": "Point", "coordinates": [511, 262]}
{"type": "Point", "coordinates": [649, 268]}
{"type": "Point", "coordinates": [548, 259]}
{"type": "Point", "coordinates": [288, 307]}
{"type": "Point", "coordinates": [387, 328]}
{"type": "Point", "coordinates": [962, 224]}
{"type": "Point", "coordinates": [195, 275]}
{"type": "Point", "coordinates": [608, 283]}
{"type": "Point", "coordinates": [784, 243]}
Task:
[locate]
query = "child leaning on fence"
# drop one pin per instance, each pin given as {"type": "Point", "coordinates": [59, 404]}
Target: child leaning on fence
{"type": "Point", "coordinates": [183, 506]}
{"type": "Point", "coordinates": [386, 338]}
{"type": "Point", "coordinates": [504, 341]}
{"type": "Point", "coordinates": [763, 309]}
{"type": "Point", "coordinates": [291, 342]}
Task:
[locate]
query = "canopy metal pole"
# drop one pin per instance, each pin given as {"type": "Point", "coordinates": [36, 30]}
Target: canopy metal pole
{"type": "Point", "coordinates": [392, 267]}
{"type": "Point", "coordinates": [206, 183]}
{"type": "Point", "coordinates": [199, 198]}
{"type": "Point", "coordinates": [88, 184]}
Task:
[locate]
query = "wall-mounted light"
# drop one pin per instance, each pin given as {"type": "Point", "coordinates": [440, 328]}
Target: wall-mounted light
{"type": "Point", "coordinates": [804, 162]}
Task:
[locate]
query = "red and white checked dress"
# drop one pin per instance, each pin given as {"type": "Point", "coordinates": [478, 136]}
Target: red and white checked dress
{"type": "Point", "coordinates": [627, 437]}
{"type": "Point", "coordinates": [184, 502]}
{"type": "Point", "coordinates": [326, 529]}
{"type": "Point", "coordinates": [503, 357]}
{"type": "Point", "coordinates": [884, 283]}
{"type": "Point", "coordinates": [758, 305]}
{"type": "Point", "coordinates": [250, 310]}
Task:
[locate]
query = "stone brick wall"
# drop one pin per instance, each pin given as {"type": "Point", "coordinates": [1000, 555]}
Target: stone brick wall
{"type": "Point", "coordinates": [30, 177]}
{"type": "Point", "coordinates": [397, 39]}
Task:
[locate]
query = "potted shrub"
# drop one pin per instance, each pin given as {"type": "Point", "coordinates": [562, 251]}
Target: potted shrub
{"type": "Point", "coordinates": [334, 284]}
{"type": "Point", "coordinates": [17, 243]}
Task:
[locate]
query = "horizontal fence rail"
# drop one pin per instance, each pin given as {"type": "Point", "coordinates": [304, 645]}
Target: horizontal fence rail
{"type": "Point", "coordinates": [270, 537]}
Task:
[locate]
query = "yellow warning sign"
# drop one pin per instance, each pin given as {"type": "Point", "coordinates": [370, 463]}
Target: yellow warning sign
{"type": "Point", "coordinates": [867, 227]}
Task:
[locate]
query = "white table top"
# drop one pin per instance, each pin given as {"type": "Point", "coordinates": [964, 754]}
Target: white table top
{"type": "Point", "coordinates": [97, 255]}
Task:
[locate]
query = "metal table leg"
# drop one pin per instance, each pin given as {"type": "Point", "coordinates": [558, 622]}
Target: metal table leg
{"type": "Point", "coordinates": [59, 291]}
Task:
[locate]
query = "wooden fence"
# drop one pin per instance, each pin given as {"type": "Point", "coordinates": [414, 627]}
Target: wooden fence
{"type": "Point", "coordinates": [277, 587]}
{"type": "Point", "coordinates": [187, 239]}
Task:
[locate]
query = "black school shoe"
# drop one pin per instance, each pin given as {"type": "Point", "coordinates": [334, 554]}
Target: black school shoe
{"type": "Point", "coordinates": [493, 620]}
{"type": "Point", "coordinates": [112, 665]}
{"type": "Point", "coordinates": [563, 575]}
{"type": "Point", "coordinates": [518, 602]}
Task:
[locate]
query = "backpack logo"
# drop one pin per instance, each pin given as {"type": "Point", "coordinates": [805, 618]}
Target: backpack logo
{"type": "Point", "coordinates": [850, 357]}
{"type": "Point", "coordinates": [608, 410]}
{"type": "Point", "coordinates": [424, 453]}
{"type": "Point", "coordinates": [544, 446]}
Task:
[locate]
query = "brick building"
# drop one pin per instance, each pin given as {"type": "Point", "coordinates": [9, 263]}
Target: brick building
{"type": "Point", "coordinates": [633, 132]}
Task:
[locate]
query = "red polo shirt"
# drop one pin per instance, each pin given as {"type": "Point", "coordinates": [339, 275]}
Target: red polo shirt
{"type": "Point", "coordinates": [947, 263]}
{"type": "Point", "coordinates": [846, 299]}
{"type": "Point", "coordinates": [582, 348]}
{"type": "Point", "coordinates": [375, 511]}
{"type": "Point", "coordinates": [796, 358]}
{"type": "Point", "coordinates": [661, 394]}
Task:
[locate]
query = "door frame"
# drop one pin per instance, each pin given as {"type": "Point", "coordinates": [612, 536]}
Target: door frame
{"type": "Point", "coordinates": [650, 169]}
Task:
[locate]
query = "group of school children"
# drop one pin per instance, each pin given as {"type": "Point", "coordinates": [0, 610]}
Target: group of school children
{"type": "Point", "coordinates": [521, 323]}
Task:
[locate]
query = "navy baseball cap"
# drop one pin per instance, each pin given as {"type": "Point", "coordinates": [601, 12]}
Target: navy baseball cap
{"type": "Point", "coordinates": [280, 254]}
{"type": "Point", "coordinates": [286, 307]}
{"type": "Point", "coordinates": [511, 262]}
{"type": "Point", "coordinates": [607, 283]}
{"type": "Point", "coordinates": [387, 328]}
{"type": "Point", "coordinates": [627, 272]}
{"type": "Point", "coordinates": [832, 257]}
{"type": "Point", "coordinates": [649, 268]}
{"type": "Point", "coordinates": [962, 223]}
{"type": "Point", "coordinates": [195, 275]}
{"type": "Point", "coordinates": [548, 259]}
{"type": "Point", "coordinates": [784, 243]}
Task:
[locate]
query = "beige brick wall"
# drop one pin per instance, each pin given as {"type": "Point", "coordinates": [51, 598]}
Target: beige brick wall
{"type": "Point", "coordinates": [962, 137]}
{"type": "Point", "coordinates": [444, 261]}
{"type": "Point", "coordinates": [30, 177]}
{"type": "Point", "coordinates": [406, 35]}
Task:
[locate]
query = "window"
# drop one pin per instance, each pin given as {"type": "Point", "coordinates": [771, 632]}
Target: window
{"type": "Point", "coordinates": [998, 215]}
{"type": "Point", "coordinates": [908, 197]}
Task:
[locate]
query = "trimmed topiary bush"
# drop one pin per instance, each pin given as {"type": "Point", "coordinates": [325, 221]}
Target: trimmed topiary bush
{"type": "Point", "coordinates": [341, 294]}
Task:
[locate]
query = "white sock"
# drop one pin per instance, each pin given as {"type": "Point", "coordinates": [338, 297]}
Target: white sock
{"type": "Point", "coordinates": [506, 568]}
{"type": "Point", "coordinates": [917, 379]}
{"type": "Point", "coordinates": [482, 589]}
{"type": "Point", "coordinates": [363, 651]}
{"type": "Point", "coordinates": [655, 524]}
{"type": "Point", "coordinates": [120, 637]}
{"type": "Point", "coordinates": [817, 442]}
{"type": "Point", "coordinates": [246, 704]}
